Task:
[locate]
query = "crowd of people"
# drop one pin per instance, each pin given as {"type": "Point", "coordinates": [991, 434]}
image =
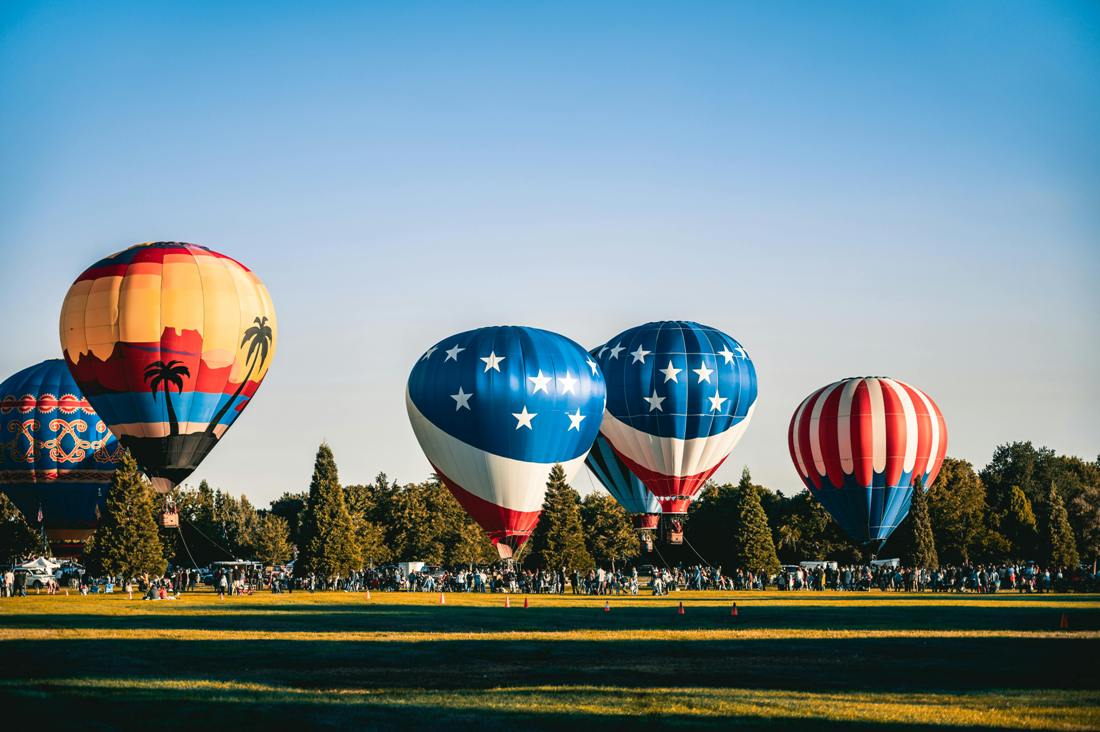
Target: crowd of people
{"type": "Point", "coordinates": [248, 578]}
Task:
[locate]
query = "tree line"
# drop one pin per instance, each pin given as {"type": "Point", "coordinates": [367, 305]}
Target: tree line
{"type": "Point", "coordinates": [1027, 504]}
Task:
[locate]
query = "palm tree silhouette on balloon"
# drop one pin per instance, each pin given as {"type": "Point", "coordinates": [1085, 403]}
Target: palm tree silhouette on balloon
{"type": "Point", "coordinates": [164, 375]}
{"type": "Point", "coordinates": [258, 338]}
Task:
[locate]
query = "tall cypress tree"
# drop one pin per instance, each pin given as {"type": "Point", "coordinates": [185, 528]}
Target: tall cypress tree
{"type": "Point", "coordinates": [329, 546]}
{"type": "Point", "coordinates": [753, 546]}
{"type": "Point", "coordinates": [1060, 544]}
{"type": "Point", "coordinates": [127, 542]}
{"type": "Point", "coordinates": [558, 540]}
{"type": "Point", "coordinates": [923, 546]}
{"type": "Point", "coordinates": [17, 538]}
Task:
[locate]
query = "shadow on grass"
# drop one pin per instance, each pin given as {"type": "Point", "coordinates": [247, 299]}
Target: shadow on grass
{"type": "Point", "coordinates": [858, 664]}
{"type": "Point", "coordinates": [181, 709]}
{"type": "Point", "coordinates": [343, 618]}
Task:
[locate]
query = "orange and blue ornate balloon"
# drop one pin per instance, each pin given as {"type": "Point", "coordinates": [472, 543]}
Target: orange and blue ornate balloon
{"type": "Point", "coordinates": [57, 457]}
{"type": "Point", "coordinates": [169, 342]}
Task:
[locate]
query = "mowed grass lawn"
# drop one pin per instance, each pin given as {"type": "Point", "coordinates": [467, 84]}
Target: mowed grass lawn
{"type": "Point", "coordinates": [334, 660]}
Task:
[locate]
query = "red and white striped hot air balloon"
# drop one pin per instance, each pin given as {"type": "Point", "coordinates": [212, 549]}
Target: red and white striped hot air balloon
{"type": "Point", "coordinates": [860, 444]}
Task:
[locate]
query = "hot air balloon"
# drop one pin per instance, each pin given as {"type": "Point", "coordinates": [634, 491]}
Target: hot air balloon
{"type": "Point", "coordinates": [57, 457]}
{"type": "Point", "coordinates": [494, 409]}
{"type": "Point", "coordinates": [859, 445]}
{"type": "Point", "coordinates": [623, 485]}
{"type": "Point", "coordinates": [679, 397]}
{"type": "Point", "coordinates": [169, 342]}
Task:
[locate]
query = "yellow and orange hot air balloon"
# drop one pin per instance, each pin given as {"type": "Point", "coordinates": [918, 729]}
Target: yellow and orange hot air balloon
{"type": "Point", "coordinates": [169, 342]}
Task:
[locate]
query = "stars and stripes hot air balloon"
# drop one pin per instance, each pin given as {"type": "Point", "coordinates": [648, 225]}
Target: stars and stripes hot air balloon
{"type": "Point", "coordinates": [57, 457]}
{"type": "Point", "coordinates": [169, 342]}
{"type": "Point", "coordinates": [494, 409]}
{"type": "Point", "coordinates": [623, 485]}
{"type": "Point", "coordinates": [859, 444]}
{"type": "Point", "coordinates": [679, 397]}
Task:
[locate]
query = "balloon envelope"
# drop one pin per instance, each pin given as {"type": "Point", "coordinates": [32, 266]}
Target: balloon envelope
{"type": "Point", "coordinates": [169, 341]}
{"type": "Point", "coordinates": [57, 456]}
{"type": "Point", "coordinates": [494, 409]}
{"type": "Point", "coordinates": [679, 397]}
{"type": "Point", "coordinates": [623, 485]}
{"type": "Point", "coordinates": [860, 443]}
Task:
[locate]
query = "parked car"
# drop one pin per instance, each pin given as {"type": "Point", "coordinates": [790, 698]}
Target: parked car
{"type": "Point", "coordinates": [37, 579]}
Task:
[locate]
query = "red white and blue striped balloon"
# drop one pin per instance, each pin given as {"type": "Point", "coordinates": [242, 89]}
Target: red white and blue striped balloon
{"type": "Point", "coordinates": [679, 397]}
{"type": "Point", "coordinates": [859, 445]}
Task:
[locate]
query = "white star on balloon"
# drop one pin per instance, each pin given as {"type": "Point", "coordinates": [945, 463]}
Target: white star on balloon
{"type": "Point", "coordinates": [602, 351]}
{"type": "Point", "coordinates": [670, 372]}
{"type": "Point", "coordinates": [492, 361]}
{"type": "Point", "coordinates": [452, 353]}
{"type": "Point", "coordinates": [592, 365]}
{"type": "Point", "coordinates": [429, 352]}
{"type": "Point", "coordinates": [462, 399]}
{"type": "Point", "coordinates": [655, 401]}
{"type": "Point", "coordinates": [704, 372]}
{"type": "Point", "coordinates": [539, 382]}
{"type": "Point", "coordinates": [640, 354]}
{"type": "Point", "coordinates": [575, 420]}
{"type": "Point", "coordinates": [615, 350]}
{"type": "Point", "coordinates": [523, 419]}
{"type": "Point", "coordinates": [741, 352]}
{"type": "Point", "coordinates": [716, 401]}
{"type": "Point", "coordinates": [727, 354]}
{"type": "Point", "coordinates": [567, 384]}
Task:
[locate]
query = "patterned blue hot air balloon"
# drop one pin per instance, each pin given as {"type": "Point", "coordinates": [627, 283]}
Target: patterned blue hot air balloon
{"type": "Point", "coordinates": [623, 485]}
{"type": "Point", "coordinates": [494, 409]}
{"type": "Point", "coordinates": [57, 457]}
{"type": "Point", "coordinates": [679, 397]}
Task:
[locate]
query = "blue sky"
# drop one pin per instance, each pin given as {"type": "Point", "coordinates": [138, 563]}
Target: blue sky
{"type": "Point", "coordinates": [879, 188]}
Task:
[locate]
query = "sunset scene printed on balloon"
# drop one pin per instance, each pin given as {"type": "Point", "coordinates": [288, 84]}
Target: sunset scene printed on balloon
{"type": "Point", "coordinates": [169, 341]}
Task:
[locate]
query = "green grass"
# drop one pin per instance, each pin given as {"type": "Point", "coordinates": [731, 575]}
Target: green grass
{"type": "Point", "coordinates": [337, 660]}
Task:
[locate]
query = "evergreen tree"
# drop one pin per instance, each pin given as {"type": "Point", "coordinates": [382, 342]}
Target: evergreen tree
{"type": "Point", "coordinates": [329, 546]}
{"type": "Point", "coordinates": [271, 540]}
{"type": "Point", "coordinates": [609, 535]}
{"type": "Point", "coordinates": [1019, 524]}
{"type": "Point", "coordinates": [1061, 547]}
{"type": "Point", "coordinates": [922, 551]}
{"type": "Point", "coordinates": [17, 538]}
{"type": "Point", "coordinates": [291, 507]}
{"type": "Point", "coordinates": [127, 543]}
{"type": "Point", "coordinates": [753, 547]}
{"type": "Point", "coordinates": [558, 539]}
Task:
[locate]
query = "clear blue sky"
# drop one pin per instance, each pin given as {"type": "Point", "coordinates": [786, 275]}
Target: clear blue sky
{"type": "Point", "coordinates": [910, 189]}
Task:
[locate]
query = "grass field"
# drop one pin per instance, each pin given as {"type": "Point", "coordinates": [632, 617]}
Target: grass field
{"type": "Point", "coordinates": [335, 660]}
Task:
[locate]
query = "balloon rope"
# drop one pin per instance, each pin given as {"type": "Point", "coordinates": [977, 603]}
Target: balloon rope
{"type": "Point", "coordinates": [187, 548]}
{"type": "Point", "coordinates": [660, 555]}
{"type": "Point", "coordinates": [196, 528]}
{"type": "Point", "coordinates": [696, 553]}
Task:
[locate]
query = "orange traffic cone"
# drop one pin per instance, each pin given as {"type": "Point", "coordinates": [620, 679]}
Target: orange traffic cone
{"type": "Point", "coordinates": [507, 601]}
{"type": "Point", "coordinates": [681, 610]}
{"type": "Point", "coordinates": [442, 599]}
{"type": "Point", "coordinates": [733, 610]}
{"type": "Point", "coordinates": [606, 606]}
{"type": "Point", "coordinates": [1064, 624]}
{"type": "Point", "coordinates": [524, 603]}
{"type": "Point", "coordinates": [368, 593]}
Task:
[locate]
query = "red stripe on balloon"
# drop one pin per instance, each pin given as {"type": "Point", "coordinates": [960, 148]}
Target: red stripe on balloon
{"type": "Point", "coordinates": [863, 439]}
{"type": "Point", "coordinates": [499, 522]}
{"type": "Point", "coordinates": [668, 488]}
{"type": "Point", "coordinates": [897, 437]}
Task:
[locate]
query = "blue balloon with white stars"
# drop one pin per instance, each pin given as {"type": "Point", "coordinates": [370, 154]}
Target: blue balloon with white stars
{"type": "Point", "coordinates": [677, 379]}
{"type": "Point", "coordinates": [516, 392]}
